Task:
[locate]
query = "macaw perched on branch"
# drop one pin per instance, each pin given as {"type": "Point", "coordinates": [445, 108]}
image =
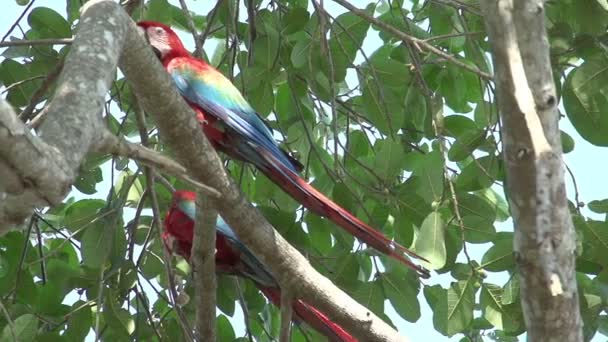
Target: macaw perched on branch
{"type": "Point", "coordinates": [234, 127]}
{"type": "Point", "coordinates": [233, 257]}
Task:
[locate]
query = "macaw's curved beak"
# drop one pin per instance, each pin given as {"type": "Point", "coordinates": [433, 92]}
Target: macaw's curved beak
{"type": "Point", "coordinates": [142, 32]}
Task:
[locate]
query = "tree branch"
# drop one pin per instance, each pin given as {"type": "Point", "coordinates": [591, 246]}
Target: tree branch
{"type": "Point", "coordinates": [203, 262]}
{"type": "Point", "coordinates": [120, 147]}
{"type": "Point", "coordinates": [31, 42]}
{"type": "Point", "coordinates": [286, 315]}
{"type": "Point", "coordinates": [544, 234]}
{"type": "Point", "coordinates": [39, 171]}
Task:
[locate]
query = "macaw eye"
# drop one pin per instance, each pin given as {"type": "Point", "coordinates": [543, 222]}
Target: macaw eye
{"type": "Point", "coordinates": [159, 31]}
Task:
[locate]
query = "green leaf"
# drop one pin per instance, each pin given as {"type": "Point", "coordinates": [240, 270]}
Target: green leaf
{"type": "Point", "coordinates": [152, 266]}
{"type": "Point", "coordinates": [595, 243]}
{"type": "Point", "coordinates": [49, 23]}
{"type": "Point", "coordinates": [458, 125]}
{"type": "Point", "coordinates": [430, 243]}
{"type": "Point", "coordinates": [11, 73]}
{"type": "Point", "coordinates": [473, 205]}
{"type": "Point", "coordinates": [158, 10]}
{"type": "Point", "coordinates": [24, 327]}
{"type": "Point", "coordinates": [80, 214]}
{"type": "Point", "coordinates": [262, 98]}
{"type": "Point", "coordinates": [466, 144]}
{"type": "Point", "coordinates": [587, 16]}
{"type": "Point", "coordinates": [224, 329]}
{"type": "Point", "coordinates": [485, 114]}
{"type": "Point", "coordinates": [477, 229]}
{"type": "Point", "coordinates": [429, 169]}
{"type": "Point", "coordinates": [301, 52]}
{"type": "Point", "coordinates": [600, 207]}
{"type": "Point", "coordinates": [511, 290]}
{"type": "Point", "coordinates": [491, 303]}
{"type": "Point", "coordinates": [567, 142]}
{"type": "Point", "coordinates": [584, 95]}
{"type": "Point", "coordinates": [401, 288]}
{"type": "Point", "coordinates": [346, 37]}
{"type": "Point", "coordinates": [97, 243]}
{"type": "Point", "coordinates": [265, 50]}
{"type": "Point", "coordinates": [295, 20]}
{"type": "Point", "coordinates": [116, 317]}
{"type": "Point", "coordinates": [499, 257]}
{"type": "Point", "coordinates": [452, 308]}
{"type": "Point", "coordinates": [479, 173]}
{"type": "Point", "coordinates": [79, 322]}
{"type": "Point", "coordinates": [388, 162]}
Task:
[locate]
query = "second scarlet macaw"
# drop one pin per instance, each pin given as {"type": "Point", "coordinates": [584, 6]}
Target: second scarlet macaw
{"type": "Point", "coordinates": [233, 257]}
{"type": "Point", "coordinates": [233, 126]}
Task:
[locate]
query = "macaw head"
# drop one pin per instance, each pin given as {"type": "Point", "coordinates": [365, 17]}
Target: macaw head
{"type": "Point", "coordinates": [162, 38]}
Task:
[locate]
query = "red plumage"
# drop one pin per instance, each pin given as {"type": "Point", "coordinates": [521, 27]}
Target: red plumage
{"type": "Point", "coordinates": [232, 257]}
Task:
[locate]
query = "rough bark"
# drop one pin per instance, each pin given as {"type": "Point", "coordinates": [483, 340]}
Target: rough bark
{"type": "Point", "coordinates": [544, 234]}
{"type": "Point", "coordinates": [39, 171]}
{"type": "Point", "coordinates": [203, 264]}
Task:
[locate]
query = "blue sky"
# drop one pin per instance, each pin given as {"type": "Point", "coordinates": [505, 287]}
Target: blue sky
{"type": "Point", "coordinates": [587, 162]}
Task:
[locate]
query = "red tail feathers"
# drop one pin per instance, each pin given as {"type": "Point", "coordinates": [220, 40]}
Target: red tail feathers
{"type": "Point", "coordinates": [313, 317]}
{"type": "Point", "coordinates": [320, 204]}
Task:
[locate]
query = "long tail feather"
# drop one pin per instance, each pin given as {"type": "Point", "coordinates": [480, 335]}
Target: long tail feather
{"type": "Point", "coordinates": [320, 204]}
{"type": "Point", "coordinates": [313, 317]}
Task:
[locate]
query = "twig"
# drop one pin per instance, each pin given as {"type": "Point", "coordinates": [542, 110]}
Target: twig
{"type": "Point", "coordinates": [50, 41]}
{"type": "Point", "coordinates": [252, 29]}
{"type": "Point", "coordinates": [37, 95]}
{"type": "Point", "coordinates": [453, 35]}
{"type": "Point", "coordinates": [18, 83]}
{"type": "Point", "coordinates": [203, 263]}
{"type": "Point", "coordinates": [40, 253]}
{"type": "Point", "coordinates": [210, 22]}
{"type": "Point", "coordinates": [579, 204]}
{"type": "Point", "coordinates": [148, 157]}
{"type": "Point", "coordinates": [244, 308]}
{"type": "Point", "coordinates": [10, 30]}
{"type": "Point", "coordinates": [412, 40]}
{"type": "Point", "coordinates": [286, 315]}
{"type": "Point", "coordinates": [99, 305]}
{"type": "Point", "coordinates": [167, 259]}
{"type": "Point", "coordinates": [11, 324]}
{"type": "Point", "coordinates": [183, 321]}
{"type": "Point", "coordinates": [198, 47]}
{"type": "Point", "coordinates": [24, 252]}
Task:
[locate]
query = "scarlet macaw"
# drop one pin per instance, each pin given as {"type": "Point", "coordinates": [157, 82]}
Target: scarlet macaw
{"type": "Point", "coordinates": [233, 126]}
{"type": "Point", "coordinates": [233, 257]}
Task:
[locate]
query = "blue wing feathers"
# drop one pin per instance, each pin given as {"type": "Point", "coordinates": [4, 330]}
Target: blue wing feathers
{"type": "Point", "coordinates": [234, 112]}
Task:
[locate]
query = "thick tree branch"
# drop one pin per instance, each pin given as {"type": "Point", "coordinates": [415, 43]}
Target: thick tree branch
{"type": "Point", "coordinates": [39, 171]}
{"type": "Point", "coordinates": [178, 126]}
{"type": "Point", "coordinates": [544, 235]}
{"type": "Point", "coordinates": [203, 262]}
